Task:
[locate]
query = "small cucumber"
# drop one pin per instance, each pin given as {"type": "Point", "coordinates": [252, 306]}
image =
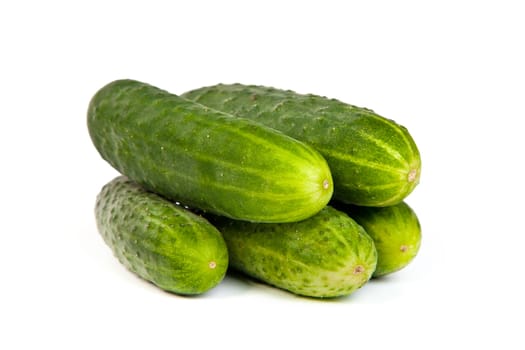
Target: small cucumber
{"type": "Point", "coordinates": [396, 232]}
{"type": "Point", "coordinates": [374, 161]}
{"type": "Point", "coordinates": [204, 158]}
{"type": "Point", "coordinates": [327, 255]}
{"type": "Point", "coordinates": [159, 241]}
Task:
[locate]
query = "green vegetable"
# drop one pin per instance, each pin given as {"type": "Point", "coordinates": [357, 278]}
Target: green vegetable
{"type": "Point", "coordinates": [207, 159]}
{"type": "Point", "coordinates": [374, 161]}
{"type": "Point", "coordinates": [396, 232]}
{"type": "Point", "coordinates": [327, 255]}
{"type": "Point", "coordinates": [159, 241]}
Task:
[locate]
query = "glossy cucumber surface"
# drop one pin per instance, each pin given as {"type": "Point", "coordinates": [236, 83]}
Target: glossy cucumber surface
{"type": "Point", "coordinates": [396, 232]}
{"type": "Point", "coordinates": [207, 159]}
{"type": "Point", "coordinates": [327, 255]}
{"type": "Point", "coordinates": [374, 161]}
{"type": "Point", "coordinates": [159, 241]}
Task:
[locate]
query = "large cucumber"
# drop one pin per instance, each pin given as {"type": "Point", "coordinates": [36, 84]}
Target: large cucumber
{"type": "Point", "coordinates": [374, 161]}
{"type": "Point", "coordinates": [396, 232]}
{"type": "Point", "coordinates": [327, 255]}
{"type": "Point", "coordinates": [159, 241]}
{"type": "Point", "coordinates": [207, 159]}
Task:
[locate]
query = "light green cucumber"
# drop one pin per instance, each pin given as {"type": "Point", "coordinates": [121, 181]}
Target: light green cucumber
{"type": "Point", "coordinates": [159, 241]}
{"type": "Point", "coordinates": [396, 232]}
{"type": "Point", "coordinates": [374, 161]}
{"type": "Point", "coordinates": [207, 159]}
{"type": "Point", "coordinates": [327, 255]}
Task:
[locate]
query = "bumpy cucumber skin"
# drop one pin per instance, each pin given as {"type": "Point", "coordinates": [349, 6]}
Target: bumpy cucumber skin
{"type": "Point", "coordinates": [328, 255]}
{"type": "Point", "coordinates": [374, 161]}
{"type": "Point", "coordinates": [161, 242]}
{"type": "Point", "coordinates": [207, 159]}
{"type": "Point", "coordinates": [396, 232]}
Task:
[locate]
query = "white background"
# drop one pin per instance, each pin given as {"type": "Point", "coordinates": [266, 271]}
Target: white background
{"type": "Point", "coordinates": [452, 72]}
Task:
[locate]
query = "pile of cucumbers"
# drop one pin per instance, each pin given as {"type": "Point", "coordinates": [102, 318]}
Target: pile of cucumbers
{"type": "Point", "coordinates": [302, 192]}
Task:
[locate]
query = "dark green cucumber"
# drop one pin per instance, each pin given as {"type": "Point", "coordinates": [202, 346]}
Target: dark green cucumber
{"type": "Point", "coordinates": [159, 241]}
{"type": "Point", "coordinates": [374, 161]}
{"type": "Point", "coordinates": [396, 231]}
{"type": "Point", "coordinates": [327, 255]}
{"type": "Point", "coordinates": [207, 159]}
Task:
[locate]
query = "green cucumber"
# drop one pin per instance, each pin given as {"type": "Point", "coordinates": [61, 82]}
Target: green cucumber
{"type": "Point", "coordinates": [374, 161]}
{"type": "Point", "coordinates": [204, 158]}
{"type": "Point", "coordinates": [327, 255]}
{"type": "Point", "coordinates": [159, 241]}
{"type": "Point", "coordinates": [396, 232]}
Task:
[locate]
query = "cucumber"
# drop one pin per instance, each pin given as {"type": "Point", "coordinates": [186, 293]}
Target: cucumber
{"type": "Point", "coordinates": [207, 159]}
{"type": "Point", "coordinates": [327, 255]}
{"type": "Point", "coordinates": [396, 232]}
{"type": "Point", "coordinates": [159, 241]}
{"type": "Point", "coordinates": [374, 161]}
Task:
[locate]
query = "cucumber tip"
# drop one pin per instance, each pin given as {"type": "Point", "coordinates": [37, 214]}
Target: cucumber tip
{"type": "Point", "coordinates": [412, 175]}
{"type": "Point", "coordinates": [358, 269]}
